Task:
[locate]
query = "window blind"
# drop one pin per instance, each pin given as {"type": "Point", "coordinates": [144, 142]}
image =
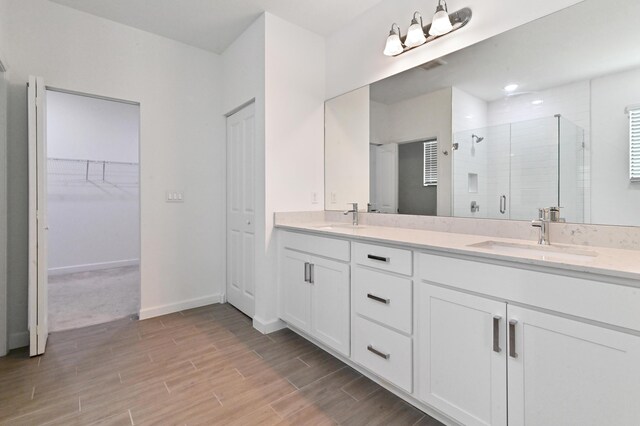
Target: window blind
{"type": "Point", "coordinates": [634, 143]}
{"type": "Point", "coordinates": [431, 162]}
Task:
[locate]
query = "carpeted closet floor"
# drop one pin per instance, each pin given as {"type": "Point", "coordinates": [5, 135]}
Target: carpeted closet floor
{"type": "Point", "coordinates": [87, 298]}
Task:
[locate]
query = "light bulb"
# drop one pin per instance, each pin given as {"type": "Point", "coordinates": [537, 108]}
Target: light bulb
{"type": "Point", "coordinates": [441, 24]}
{"type": "Point", "coordinates": [415, 33]}
{"type": "Point", "coordinates": [394, 45]}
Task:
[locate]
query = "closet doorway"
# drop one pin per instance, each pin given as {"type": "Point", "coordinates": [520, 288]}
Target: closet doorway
{"type": "Point", "coordinates": [93, 209]}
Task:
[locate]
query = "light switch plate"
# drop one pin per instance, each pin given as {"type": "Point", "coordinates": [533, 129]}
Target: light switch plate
{"type": "Point", "coordinates": [174, 196]}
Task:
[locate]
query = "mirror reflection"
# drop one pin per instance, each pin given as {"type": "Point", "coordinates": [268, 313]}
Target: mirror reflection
{"type": "Point", "coordinates": [538, 116]}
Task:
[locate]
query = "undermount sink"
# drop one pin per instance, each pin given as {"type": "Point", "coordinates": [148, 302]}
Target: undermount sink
{"type": "Point", "coordinates": [340, 226]}
{"type": "Point", "coordinates": [556, 253]}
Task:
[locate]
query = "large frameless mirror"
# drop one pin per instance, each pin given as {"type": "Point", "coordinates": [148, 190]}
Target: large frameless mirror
{"type": "Point", "coordinates": [535, 117]}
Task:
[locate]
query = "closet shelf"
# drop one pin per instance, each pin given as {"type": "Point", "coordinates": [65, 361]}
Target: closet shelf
{"type": "Point", "coordinates": [67, 170]}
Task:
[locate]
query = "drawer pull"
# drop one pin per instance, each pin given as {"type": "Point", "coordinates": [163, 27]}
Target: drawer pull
{"type": "Point", "coordinates": [378, 258]}
{"type": "Point", "coordinates": [496, 333]}
{"type": "Point", "coordinates": [312, 273]}
{"type": "Point", "coordinates": [377, 352]}
{"type": "Point", "coordinates": [512, 339]}
{"type": "Point", "coordinates": [378, 298]}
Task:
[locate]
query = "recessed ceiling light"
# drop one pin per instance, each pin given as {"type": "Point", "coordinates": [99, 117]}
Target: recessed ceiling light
{"type": "Point", "coordinates": [510, 87]}
{"type": "Point", "coordinates": [537, 102]}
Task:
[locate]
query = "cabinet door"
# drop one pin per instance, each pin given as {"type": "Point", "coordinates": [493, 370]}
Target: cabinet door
{"type": "Point", "coordinates": [571, 373]}
{"type": "Point", "coordinates": [295, 292]}
{"type": "Point", "coordinates": [462, 367]}
{"type": "Point", "coordinates": [330, 303]}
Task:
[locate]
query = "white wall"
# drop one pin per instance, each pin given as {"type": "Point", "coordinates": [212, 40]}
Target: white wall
{"type": "Point", "coordinates": [182, 137]}
{"type": "Point", "coordinates": [347, 139]}
{"type": "Point", "coordinates": [615, 200]}
{"type": "Point", "coordinates": [93, 224]}
{"type": "Point", "coordinates": [86, 128]}
{"type": "Point", "coordinates": [294, 138]}
{"type": "Point", "coordinates": [354, 54]}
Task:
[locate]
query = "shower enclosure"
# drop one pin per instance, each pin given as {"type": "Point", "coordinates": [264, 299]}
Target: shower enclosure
{"type": "Point", "coordinates": [508, 171]}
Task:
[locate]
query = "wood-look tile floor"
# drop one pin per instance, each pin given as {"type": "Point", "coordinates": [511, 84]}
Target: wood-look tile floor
{"type": "Point", "coordinates": [202, 366]}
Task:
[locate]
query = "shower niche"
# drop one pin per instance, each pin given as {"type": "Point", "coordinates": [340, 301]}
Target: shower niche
{"type": "Point", "coordinates": [512, 169]}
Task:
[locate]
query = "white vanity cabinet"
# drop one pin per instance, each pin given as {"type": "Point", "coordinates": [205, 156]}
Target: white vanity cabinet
{"type": "Point", "coordinates": [462, 364]}
{"type": "Point", "coordinates": [561, 368]}
{"type": "Point", "coordinates": [470, 340]}
{"type": "Point", "coordinates": [482, 357]}
{"type": "Point", "coordinates": [314, 290]}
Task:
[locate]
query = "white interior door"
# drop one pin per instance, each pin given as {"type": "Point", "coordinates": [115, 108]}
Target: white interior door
{"type": "Point", "coordinates": [38, 327]}
{"type": "Point", "coordinates": [386, 179]}
{"type": "Point", "coordinates": [241, 209]}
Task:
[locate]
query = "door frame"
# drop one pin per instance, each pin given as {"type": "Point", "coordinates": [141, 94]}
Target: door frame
{"type": "Point", "coordinates": [223, 295]}
{"type": "Point", "coordinates": [4, 319]}
{"type": "Point", "coordinates": [48, 88]}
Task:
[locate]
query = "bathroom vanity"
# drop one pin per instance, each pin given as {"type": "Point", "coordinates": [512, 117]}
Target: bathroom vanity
{"type": "Point", "coordinates": [474, 330]}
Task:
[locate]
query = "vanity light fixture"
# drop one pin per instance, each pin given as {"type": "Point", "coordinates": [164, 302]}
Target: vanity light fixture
{"type": "Point", "coordinates": [394, 44]}
{"type": "Point", "coordinates": [418, 34]}
{"type": "Point", "coordinates": [441, 24]}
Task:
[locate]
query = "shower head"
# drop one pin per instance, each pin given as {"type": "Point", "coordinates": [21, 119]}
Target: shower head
{"type": "Point", "coordinates": [476, 138]}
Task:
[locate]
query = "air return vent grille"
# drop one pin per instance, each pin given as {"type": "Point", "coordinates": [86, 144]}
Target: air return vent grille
{"type": "Point", "coordinates": [634, 143]}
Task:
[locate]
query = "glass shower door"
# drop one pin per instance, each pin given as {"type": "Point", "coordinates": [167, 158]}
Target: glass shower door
{"type": "Point", "coordinates": [481, 173]}
{"type": "Point", "coordinates": [534, 167]}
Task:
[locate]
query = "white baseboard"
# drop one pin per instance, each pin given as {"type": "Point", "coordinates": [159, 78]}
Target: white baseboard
{"type": "Point", "coordinates": [18, 340]}
{"type": "Point", "coordinates": [266, 327]}
{"type": "Point", "coordinates": [93, 266]}
{"type": "Point", "coordinates": [156, 311]}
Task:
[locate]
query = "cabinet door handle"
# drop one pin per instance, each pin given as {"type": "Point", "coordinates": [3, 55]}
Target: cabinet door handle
{"type": "Point", "coordinates": [378, 298]}
{"type": "Point", "coordinates": [377, 352]}
{"type": "Point", "coordinates": [496, 333]}
{"type": "Point", "coordinates": [378, 258]}
{"type": "Point", "coordinates": [307, 271]}
{"type": "Point", "coordinates": [503, 204]}
{"type": "Point", "coordinates": [512, 338]}
{"type": "Point", "coordinates": [312, 278]}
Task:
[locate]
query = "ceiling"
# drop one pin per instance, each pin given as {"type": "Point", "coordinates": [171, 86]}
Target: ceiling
{"type": "Point", "coordinates": [587, 40]}
{"type": "Point", "coordinates": [214, 24]}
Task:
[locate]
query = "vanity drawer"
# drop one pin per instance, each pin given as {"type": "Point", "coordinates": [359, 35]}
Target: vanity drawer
{"type": "Point", "coordinates": [321, 246]}
{"type": "Point", "coordinates": [386, 353]}
{"type": "Point", "coordinates": [595, 300]}
{"type": "Point", "coordinates": [383, 298]}
{"type": "Point", "coordinates": [385, 258]}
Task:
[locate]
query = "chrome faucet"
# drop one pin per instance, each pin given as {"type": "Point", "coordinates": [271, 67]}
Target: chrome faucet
{"type": "Point", "coordinates": [353, 210]}
{"type": "Point", "coordinates": [543, 223]}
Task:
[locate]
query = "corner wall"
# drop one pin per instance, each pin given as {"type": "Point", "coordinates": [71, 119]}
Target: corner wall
{"type": "Point", "coordinates": [181, 137]}
{"type": "Point", "coordinates": [281, 67]}
{"type": "Point", "coordinates": [294, 140]}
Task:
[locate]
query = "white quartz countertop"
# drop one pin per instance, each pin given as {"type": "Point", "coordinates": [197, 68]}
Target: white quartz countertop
{"type": "Point", "coordinates": [600, 260]}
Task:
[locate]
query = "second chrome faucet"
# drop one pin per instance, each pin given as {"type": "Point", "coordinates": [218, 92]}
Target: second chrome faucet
{"type": "Point", "coordinates": [545, 217]}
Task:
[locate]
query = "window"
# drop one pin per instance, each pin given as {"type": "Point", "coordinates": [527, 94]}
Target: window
{"type": "Point", "coordinates": [634, 143]}
{"type": "Point", "coordinates": [431, 161]}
